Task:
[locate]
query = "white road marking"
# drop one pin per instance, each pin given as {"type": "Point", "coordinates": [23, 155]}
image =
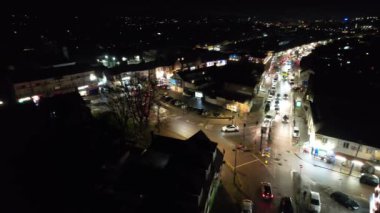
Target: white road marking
{"type": "Point", "coordinates": [247, 163]}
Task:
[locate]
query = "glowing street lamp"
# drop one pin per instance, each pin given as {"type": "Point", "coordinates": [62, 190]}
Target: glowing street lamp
{"type": "Point", "coordinates": [93, 77]}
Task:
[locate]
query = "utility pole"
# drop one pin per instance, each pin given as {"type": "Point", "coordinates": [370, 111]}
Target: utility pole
{"type": "Point", "coordinates": [261, 140]}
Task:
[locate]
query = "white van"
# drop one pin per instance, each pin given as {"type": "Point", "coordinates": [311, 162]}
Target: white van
{"type": "Point", "coordinates": [314, 202]}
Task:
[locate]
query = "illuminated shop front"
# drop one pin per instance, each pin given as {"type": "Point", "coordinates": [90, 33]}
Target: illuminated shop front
{"type": "Point", "coordinates": [163, 77]}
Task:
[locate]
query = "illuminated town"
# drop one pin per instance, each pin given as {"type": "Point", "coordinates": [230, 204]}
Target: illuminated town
{"type": "Point", "coordinates": [224, 110]}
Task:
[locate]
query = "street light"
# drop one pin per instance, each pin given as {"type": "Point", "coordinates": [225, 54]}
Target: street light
{"type": "Point", "coordinates": [235, 150]}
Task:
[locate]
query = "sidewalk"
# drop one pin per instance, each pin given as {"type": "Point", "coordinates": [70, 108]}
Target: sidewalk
{"type": "Point", "coordinates": [315, 161]}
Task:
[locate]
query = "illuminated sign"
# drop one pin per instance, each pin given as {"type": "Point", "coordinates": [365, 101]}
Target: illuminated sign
{"type": "Point", "coordinates": [298, 103]}
{"type": "Point", "coordinates": [198, 94]}
{"type": "Point", "coordinates": [210, 64]}
{"type": "Point", "coordinates": [83, 93]}
{"type": "Point", "coordinates": [221, 63]}
{"type": "Point", "coordinates": [22, 100]}
{"type": "Point", "coordinates": [83, 87]}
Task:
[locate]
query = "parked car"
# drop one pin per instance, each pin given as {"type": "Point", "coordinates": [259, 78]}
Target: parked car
{"type": "Point", "coordinates": [296, 132]}
{"type": "Point", "coordinates": [344, 200]}
{"type": "Point", "coordinates": [205, 113]}
{"type": "Point", "coordinates": [286, 205]}
{"type": "Point", "coordinates": [178, 103]}
{"type": "Point", "coordinates": [173, 101]}
{"type": "Point", "coordinates": [314, 202]}
{"type": "Point", "coordinates": [266, 191]}
{"type": "Point", "coordinates": [267, 107]}
{"type": "Point", "coordinates": [368, 168]}
{"type": "Point", "coordinates": [369, 179]}
{"type": "Point", "coordinates": [168, 98]}
{"type": "Point", "coordinates": [230, 128]}
{"type": "Point", "coordinates": [246, 206]}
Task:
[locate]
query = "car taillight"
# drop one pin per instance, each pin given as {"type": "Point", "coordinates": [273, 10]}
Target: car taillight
{"type": "Point", "coordinates": [263, 195]}
{"type": "Point", "coordinates": [272, 195]}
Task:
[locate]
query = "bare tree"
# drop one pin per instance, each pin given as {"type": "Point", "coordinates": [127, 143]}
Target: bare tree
{"type": "Point", "coordinates": [131, 106]}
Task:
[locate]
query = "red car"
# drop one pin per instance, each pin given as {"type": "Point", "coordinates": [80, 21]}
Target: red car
{"type": "Point", "coordinates": [266, 191]}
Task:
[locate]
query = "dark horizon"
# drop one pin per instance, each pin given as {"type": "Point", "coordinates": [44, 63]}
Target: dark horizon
{"type": "Point", "coordinates": [295, 9]}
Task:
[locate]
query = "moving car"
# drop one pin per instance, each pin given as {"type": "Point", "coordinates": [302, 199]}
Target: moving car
{"type": "Point", "coordinates": [270, 97]}
{"type": "Point", "coordinates": [296, 132]}
{"type": "Point", "coordinates": [270, 115]}
{"type": "Point", "coordinates": [344, 200]}
{"type": "Point", "coordinates": [314, 202]}
{"type": "Point", "coordinates": [230, 128]}
{"type": "Point", "coordinates": [285, 96]}
{"type": "Point", "coordinates": [246, 206]}
{"type": "Point", "coordinates": [369, 179]}
{"type": "Point", "coordinates": [266, 190]}
{"type": "Point", "coordinates": [286, 205]}
{"type": "Point", "coordinates": [272, 91]}
{"type": "Point", "coordinates": [285, 119]}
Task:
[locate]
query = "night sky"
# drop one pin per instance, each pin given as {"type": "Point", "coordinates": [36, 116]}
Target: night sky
{"type": "Point", "coordinates": [267, 9]}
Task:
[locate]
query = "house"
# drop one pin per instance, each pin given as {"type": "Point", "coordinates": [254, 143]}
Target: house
{"type": "Point", "coordinates": [55, 79]}
{"type": "Point", "coordinates": [123, 74]}
{"type": "Point", "coordinates": [338, 126]}
{"type": "Point", "coordinates": [194, 81]}
{"type": "Point", "coordinates": [236, 86]}
{"type": "Point", "coordinates": [189, 60]}
{"type": "Point", "coordinates": [171, 176]}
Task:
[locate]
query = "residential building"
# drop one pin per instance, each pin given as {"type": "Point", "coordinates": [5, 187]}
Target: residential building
{"type": "Point", "coordinates": [56, 79]}
{"type": "Point", "coordinates": [171, 176]}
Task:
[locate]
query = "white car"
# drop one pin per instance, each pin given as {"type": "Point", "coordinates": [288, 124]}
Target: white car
{"type": "Point", "coordinates": [314, 201]}
{"type": "Point", "coordinates": [266, 123]}
{"type": "Point", "coordinates": [296, 132]}
{"type": "Point", "coordinates": [230, 128]}
{"type": "Point", "coordinates": [246, 206]}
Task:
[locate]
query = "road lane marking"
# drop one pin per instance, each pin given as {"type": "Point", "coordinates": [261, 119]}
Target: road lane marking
{"type": "Point", "coordinates": [229, 165]}
{"type": "Point", "coordinates": [247, 163]}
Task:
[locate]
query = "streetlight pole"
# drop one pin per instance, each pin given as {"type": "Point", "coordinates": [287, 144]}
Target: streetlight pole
{"type": "Point", "coordinates": [244, 134]}
{"type": "Point", "coordinates": [261, 140]}
{"type": "Point", "coordinates": [235, 165]}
